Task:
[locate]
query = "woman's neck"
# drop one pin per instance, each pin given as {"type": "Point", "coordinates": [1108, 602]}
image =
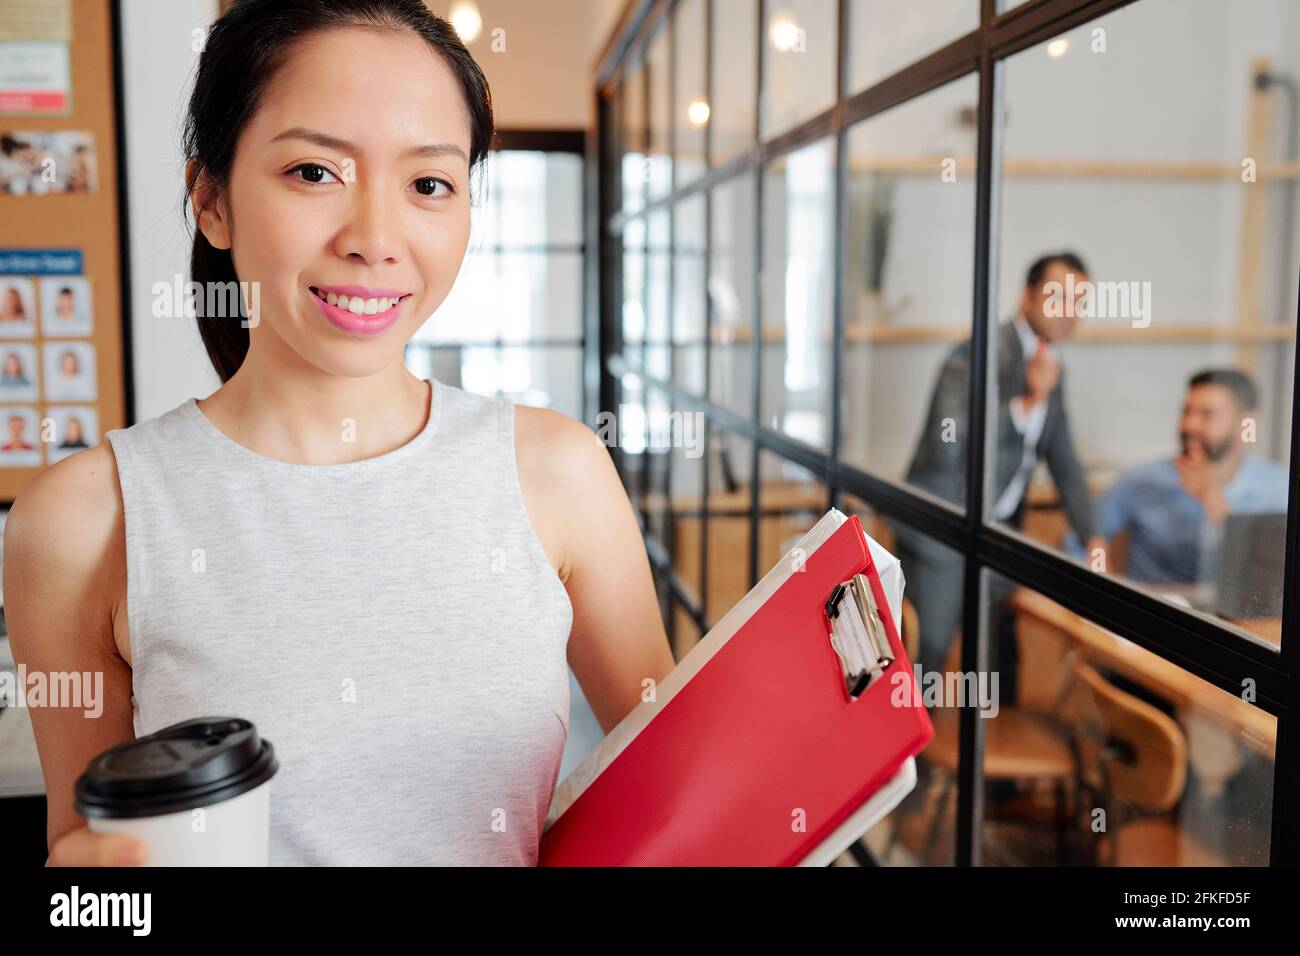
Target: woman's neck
{"type": "Point", "coordinates": [314, 417]}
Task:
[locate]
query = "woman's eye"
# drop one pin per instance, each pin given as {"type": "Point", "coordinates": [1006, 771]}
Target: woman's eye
{"type": "Point", "coordinates": [313, 173]}
{"type": "Point", "coordinates": [428, 185]}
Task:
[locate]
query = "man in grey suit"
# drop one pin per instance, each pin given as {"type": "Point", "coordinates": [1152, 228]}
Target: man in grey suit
{"type": "Point", "coordinates": [1031, 424]}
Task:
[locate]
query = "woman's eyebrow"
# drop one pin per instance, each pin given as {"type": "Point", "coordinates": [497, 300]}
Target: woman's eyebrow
{"type": "Point", "coordinates": [343, 146]}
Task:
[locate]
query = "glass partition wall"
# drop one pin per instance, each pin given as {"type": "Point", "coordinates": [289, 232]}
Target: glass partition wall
{"type": "Point", "coordinates": [512, 323]}
{"type": "Point", "coordinates": [1016, 283]}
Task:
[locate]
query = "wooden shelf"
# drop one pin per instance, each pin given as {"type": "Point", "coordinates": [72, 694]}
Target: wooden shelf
{"type": "Point", "coordinates": [1106, 330]}
{"type": "Point", "coordinates": [1044, 167]}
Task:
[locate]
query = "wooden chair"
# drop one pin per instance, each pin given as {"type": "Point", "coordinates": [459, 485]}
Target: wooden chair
{"type": "Point", "coordinates": [1024, 743]}
{"type": "Point", "coordinates": [910, 631]}
{"type": "Point", "coordinates": [1134, 757]}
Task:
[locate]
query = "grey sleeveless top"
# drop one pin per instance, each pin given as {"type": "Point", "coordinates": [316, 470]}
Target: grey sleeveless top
{"type": "Point", "coordinates": [392, 625]}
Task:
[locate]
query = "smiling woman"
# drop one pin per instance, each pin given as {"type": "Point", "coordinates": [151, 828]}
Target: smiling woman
{"type": "Point", "coordinates": [331, 162]}
{"type": "Point", "coordinates": [317, 546]}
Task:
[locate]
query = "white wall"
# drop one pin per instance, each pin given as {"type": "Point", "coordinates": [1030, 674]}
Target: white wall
{"type": "Point", "coordinates": [169, 362]}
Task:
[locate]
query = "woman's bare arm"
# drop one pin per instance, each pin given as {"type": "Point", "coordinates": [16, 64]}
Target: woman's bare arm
{"type": "Point", "coordinates": [64, 561]}
{"type": "Point", "coordinates": [618, 637]}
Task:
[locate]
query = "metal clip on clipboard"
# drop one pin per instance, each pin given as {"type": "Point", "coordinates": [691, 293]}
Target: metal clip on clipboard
{"type": "Point", "coordinates": [858, 634]}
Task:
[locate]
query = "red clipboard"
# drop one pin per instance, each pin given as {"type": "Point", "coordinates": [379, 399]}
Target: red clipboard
{"type": "Point", "coordinates": [763, 753]}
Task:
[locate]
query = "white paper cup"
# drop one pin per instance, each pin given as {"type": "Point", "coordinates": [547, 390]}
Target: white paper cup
{"type": "Point", "coordinates": [198, 793]}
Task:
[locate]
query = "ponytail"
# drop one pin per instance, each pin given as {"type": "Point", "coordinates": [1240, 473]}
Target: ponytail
{"type": "Point", "coordinates": [224, 336]}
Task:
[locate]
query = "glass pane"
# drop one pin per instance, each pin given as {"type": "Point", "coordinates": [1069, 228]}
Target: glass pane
{"type": "Point", "coordinates": [629, 430]}
{"type": "Point", "coordinates": [798, 274]}
{"type": "Point", "coordinates": [513, 296]}
{"type": "Point", "coordinates": [691, 103]}
{"type": "Point", "coordinates": [1145, 378]}
{"type": "Point", "coordinates": [532, 199]}
{"type": "Point", "coordinates": [690, 289]}
{"type": "Point", "coordinates": [685, 482]}
{"type": "Point", "coordinates": [728, 507]}
{"type": "Point", "coordinates": [800, 52]}
{"type": "Point", "coordinates": [634, 139]}
{"type": "Point", "coordinates": [660, 165]}
{"type": "Point", "coordinates": [887, 35]}
{"type": "Point", "coordinates": [910, 194]}
{"type": "Point", "coordinates": [565, 175]}
{"type": "Point", "coordinates": [791, 499]}
{"type": "Point", "coordinates": [545, 377]}
{"type": "Point", "coordinates": [922, 831]}
{"type": "Point", "coordinates": [634, 298]}
{"type": "Point", "coordinates": [1098, 752]}
{"type": "Point", "coordinates": [684, 633]}
{"type": "Point", "coordinates": [658, 455]}
{"type": "Point", "coordinates": [665, 595]}
{"type": "Point", "coordinates": [735, 78]}
{"type": "Point", "coordinates": [657, 356]}
{"type": "Point", "coordinates": [731, 295]}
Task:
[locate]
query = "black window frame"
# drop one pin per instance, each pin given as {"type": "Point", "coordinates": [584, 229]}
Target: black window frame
{"type": "Point", "coordinates": [1192, 642]}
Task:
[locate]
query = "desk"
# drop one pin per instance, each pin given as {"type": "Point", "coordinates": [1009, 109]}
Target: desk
{"type": "Point", "coordinates": [1267, 629]}
{"type": "Point", "coordinates": [20, 764]}
{"type": "Point", "coordinates": [1256, 727]}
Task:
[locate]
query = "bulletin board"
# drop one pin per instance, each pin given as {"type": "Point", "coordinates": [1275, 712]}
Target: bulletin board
{"type": "Point", "coordinates": [64, 379]}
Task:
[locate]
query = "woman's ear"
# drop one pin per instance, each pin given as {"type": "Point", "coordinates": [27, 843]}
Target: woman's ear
{"type": "Point", "coordinates": [208, 207]}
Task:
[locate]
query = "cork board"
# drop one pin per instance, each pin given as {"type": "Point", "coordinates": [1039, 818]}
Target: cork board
{"type": "Point", "coordinates": [84, 221]}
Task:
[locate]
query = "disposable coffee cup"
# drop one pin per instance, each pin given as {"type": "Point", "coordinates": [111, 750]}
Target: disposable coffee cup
{"type": "Point", "coordinates": [198, 793]}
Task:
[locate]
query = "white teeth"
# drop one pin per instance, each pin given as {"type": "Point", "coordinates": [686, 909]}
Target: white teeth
{"type": "Point", "coordinates": [359, 306]}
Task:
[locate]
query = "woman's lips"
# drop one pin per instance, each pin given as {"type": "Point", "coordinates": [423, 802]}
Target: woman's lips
{"type": "Point", "coordinates": [387, 308]}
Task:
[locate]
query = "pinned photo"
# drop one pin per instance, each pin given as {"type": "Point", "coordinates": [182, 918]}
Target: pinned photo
{"type": "Point", "coordinates": [20, 445]}
{"type": "Point", "coordinates": [68, 429]}
{"type": "Point", "coordinates": [69, 369]}
{"type": "Point", "coordinates": [66, 306]}
{"type": "Point", "coordinates": [17, 308]}
{"type": "Point", "coordinates": [36, 164]}
{"type": "Point", "coordinates": [19, 372]}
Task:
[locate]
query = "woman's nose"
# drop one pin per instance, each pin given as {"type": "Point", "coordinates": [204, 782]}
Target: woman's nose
{"type": "Point", "coordinates": [372, 232]}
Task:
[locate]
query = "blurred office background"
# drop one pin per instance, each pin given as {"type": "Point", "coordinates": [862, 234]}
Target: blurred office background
{"type": "Point", "coordinates": [778, 219]}
{"type": "Point", "coordinates": [807, 206]}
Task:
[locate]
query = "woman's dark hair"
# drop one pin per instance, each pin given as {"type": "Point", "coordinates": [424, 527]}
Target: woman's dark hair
{"type": "Point", "coordinates": [243, 51]}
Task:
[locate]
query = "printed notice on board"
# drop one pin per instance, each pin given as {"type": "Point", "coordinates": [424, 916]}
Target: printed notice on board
{"type": "Point", "coordinates": [49, 390]}
{"type": "Point", "coordinates": [35, 72]}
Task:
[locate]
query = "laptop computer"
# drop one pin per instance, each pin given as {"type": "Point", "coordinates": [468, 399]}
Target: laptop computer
{"type": "Point", "coordinates": [1251, 563]}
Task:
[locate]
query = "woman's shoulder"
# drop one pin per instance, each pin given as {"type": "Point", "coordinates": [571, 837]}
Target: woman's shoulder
{"type": "Point", "coordinates": [554, 444]}
{"type": "Point", "coordinates": [72, 506]}
{"type": "Point", "coordinates": [64, 540]}
{"type": "Point", "coordinates": [69, 519]}
{"type": "Point", "coordinates": [567, 475]}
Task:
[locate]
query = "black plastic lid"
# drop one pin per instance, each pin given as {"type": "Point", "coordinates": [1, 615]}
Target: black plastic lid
{"type": "Point", "coordinates": [195, 763]}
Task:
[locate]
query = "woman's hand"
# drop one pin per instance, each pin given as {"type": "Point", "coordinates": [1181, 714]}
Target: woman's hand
{"type": "Point", "coordinates": [85, 847]}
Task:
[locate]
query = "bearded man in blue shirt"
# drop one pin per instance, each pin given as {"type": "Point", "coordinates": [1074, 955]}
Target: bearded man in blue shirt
{"type": "Point", "coordinates": [1173, 510]}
